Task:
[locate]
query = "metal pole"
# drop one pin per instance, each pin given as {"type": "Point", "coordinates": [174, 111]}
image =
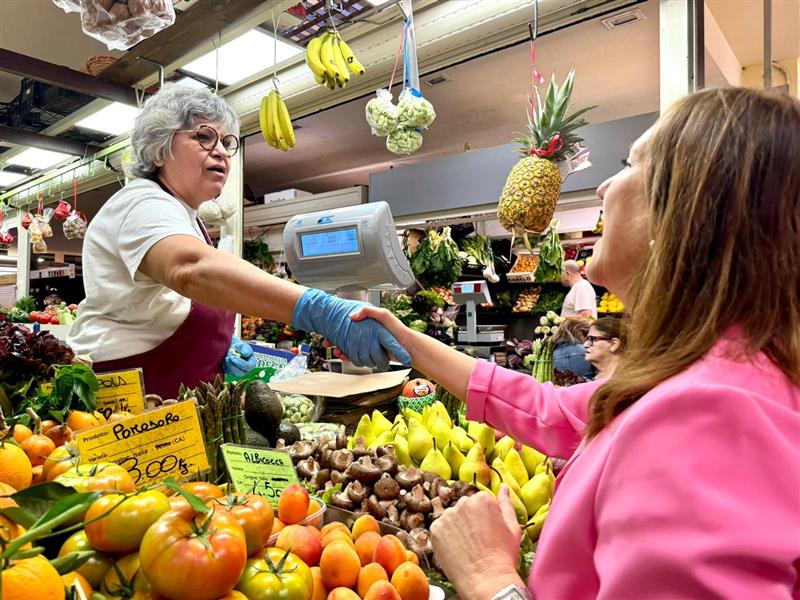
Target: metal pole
{"type": "Point", "coordinates": [767, 44]}
{"type": "Point", "coordinates": [697, 44]}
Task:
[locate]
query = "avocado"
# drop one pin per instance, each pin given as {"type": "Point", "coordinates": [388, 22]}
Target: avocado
{"type": "Point", "coordinates": [253, 439]}
{"type": "Point", "coordinates": [289, 432]}
{"type": "Point", "coordinates": [262, 409]}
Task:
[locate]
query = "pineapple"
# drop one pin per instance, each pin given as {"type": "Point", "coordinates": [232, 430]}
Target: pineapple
{"type": "Point", "coordinates": [531, 191]}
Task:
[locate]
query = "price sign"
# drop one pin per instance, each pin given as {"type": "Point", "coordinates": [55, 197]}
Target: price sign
{"type": "Point", "coordinates": [161, 443]}
{"type": "Point", "coordinates": [258, 470]}
{"type": "Point", "coordinates": [120, 391]}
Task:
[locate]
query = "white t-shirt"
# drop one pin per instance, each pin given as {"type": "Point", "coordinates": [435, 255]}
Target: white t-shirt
{"type": "Point", "coordinates": [580, 297]}
{"type": "Point", "coordinates": [126, 312]}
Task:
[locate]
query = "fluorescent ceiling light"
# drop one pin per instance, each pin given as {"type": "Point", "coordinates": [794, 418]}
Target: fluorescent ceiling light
{"type": "Point", "coordinates": [191, 82]}
{"type": "Point", "coordinates": [7, 178]}
{"type": "Point", "coordinates": [245, 56]}
{"type": "Point", "coordinates": [114, 119]}
{"type": "Point", "coordinates": [36, 158]}
{"type": "Point", "coordinates": [378, 2]}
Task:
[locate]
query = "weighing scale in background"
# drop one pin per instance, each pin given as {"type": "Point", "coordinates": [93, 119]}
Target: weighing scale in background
{"type": "Point", "coordinates": [481, 338]}
{"type": "Point", "coordinates": [353, 252]}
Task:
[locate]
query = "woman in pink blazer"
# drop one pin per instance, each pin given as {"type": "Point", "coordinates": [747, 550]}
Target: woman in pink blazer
{"type": "Point", "coordinates": [683, 478]}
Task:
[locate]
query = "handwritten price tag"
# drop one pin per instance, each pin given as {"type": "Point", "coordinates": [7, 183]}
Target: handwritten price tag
{"type": "Point", "coordinates": [120, 391]}
{"type": "Point", "coordinates": [161, 443]}
{"type": "Point", "coordinates": [264, 472]}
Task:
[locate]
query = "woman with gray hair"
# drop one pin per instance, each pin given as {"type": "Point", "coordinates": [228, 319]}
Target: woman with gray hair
{"type": "Point", "coordinates": [158, 295]}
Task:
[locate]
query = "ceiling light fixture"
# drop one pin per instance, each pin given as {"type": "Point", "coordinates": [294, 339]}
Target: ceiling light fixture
{"type": "Point", "coordinates": [245, 56]}
{"type": "Point", "coordinates": [114, 119]}
{"type": "Point", "coordinates": [8, 178]}
{"type": "Point", "coordinates": [36, 158]}
{"type": "Point", "coordinates": [377, 3]}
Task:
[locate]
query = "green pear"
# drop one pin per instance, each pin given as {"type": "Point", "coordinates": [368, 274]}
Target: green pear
{"type": "Point", "coordinates": [410, 413]}
{"type": "Point", "coordinates": [441, 431]}
{"type": "Point", "coordinates": [462, 439]}
{"type": "Point", "coordinates": [502, 447]}
{"type": "Point", "coordinates": [533, 528]}
{"type": "Point", "coordinates": [363, 429]}
{"type": "Point", "coordinates": [382, 440]}
{"type": "Point", "coordinates": [426, 415]}
{"type": "Point", "coordinates": [483, 434]}
{"type": "Point", "coordinates": [516, 467]}
{"type": "Point", "coordinates": [439, 409]}
{"type": "Point", "coordinates": [519, 507]}
{"type": "Point", "coordinates": [380, 423]}
{"type": "Point", "coordinates": [401, 451]}
{"type": "Point", "coordinates": [400, 427]}
{"type": "Point", "coordinates": [474, 467]}
{"type": "Point", "coordinates": [454, 457]}
{"type": "Point", "coordinates": [531, 458]}
{"type": "Point", "coordinates": [506, 475]}
{"type": "Point", "coordinates": [545, 467]}
{"type": "Point", "coordinates": [536, 492]}
{"type": "Point", "coordinates": [420, 440]}
{"type": "Point", "coordinates": [435, 462]}
{"type": "Point", "coordinates": [495, 481]}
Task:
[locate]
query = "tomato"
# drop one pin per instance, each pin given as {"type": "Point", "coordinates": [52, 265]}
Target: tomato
{"type": "Point", "coordinates": [100, 477]}
{"type": "Point", "coordinates": [55, 321]}
{"type": "Point", "coordinates": [186, 554]}
{"type": "Point", "coordinates": [93, 569]}
{"type": "Point", "coordinates": [61, 460]}
{"type": "Point", "coordinates": [253, 513]}
{"type": "Point", "coordinates": [280, 575]}
{"type": "Point", "coordinates": [125, 578]}
{"type": "Point", "coordinates": [122, 529]}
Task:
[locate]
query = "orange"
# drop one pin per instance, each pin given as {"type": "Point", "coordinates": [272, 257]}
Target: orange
{"type": "Point", "coordinates": [363, 524]}
{"type": "Point", "coordinates": [78, 420]}
{"type": "Point", "coordinates": [76, 580]}
{"type": "Point", "coordinates": [339, 566]}
{"type": "Point", "coordinates": [21, 433]}
{"type": "Point", "coordinates": [32, 578]}
{"type": "Point", "coordinates": [368, 575]}
{"type": "Point", "coordinates": [15, 466]}
{"type": "Point", "coordinates": [6, 491]}
{"type": "Point", "coordinates": [410, 582]}
{"type": "Point", "coordinates": [38, 475]}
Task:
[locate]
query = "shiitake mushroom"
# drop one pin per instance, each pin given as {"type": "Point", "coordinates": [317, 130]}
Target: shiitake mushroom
{"type": "Point", "coordinates": [386, 488]}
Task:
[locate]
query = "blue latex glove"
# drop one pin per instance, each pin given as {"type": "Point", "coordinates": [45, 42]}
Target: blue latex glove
{"type": "Point", "coordinates": [240, 359]}
{"type": "Point", "coordinates": [366, 343]}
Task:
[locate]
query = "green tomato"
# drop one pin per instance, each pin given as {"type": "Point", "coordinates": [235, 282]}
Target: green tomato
{"type": "Point", "coordinates": [280, 575]}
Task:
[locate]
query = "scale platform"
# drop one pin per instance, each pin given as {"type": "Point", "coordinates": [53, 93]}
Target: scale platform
{"type": "Point", "coordinates": [485, 334]}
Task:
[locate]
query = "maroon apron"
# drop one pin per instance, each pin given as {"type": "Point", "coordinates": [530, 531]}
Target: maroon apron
{"type": "Point", "coordinates": [192, 354]}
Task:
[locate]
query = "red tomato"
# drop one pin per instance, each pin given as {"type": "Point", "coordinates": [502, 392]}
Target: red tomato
{"type": "Point", "coordinates": [186, 554]}
{"type": "Point", "coordinates": [125, 522]}
{"type": "Point", "coordinates": [55, 321]}
{"type": "Point", "coordinates": [253, 513]}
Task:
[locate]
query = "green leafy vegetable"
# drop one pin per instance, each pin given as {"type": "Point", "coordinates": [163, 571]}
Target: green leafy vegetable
{"type": "Point", "coordinates": [435, 261]}
{"type": "Point", "coordinates": [551, 263]}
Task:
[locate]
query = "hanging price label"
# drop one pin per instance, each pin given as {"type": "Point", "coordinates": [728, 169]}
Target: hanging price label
{"type": "Point", "coordinates": [259, 471]}
{"type": "Point", "coordinates": [161, 443]}
{"type": "Point", "coordinates": [120, 391]}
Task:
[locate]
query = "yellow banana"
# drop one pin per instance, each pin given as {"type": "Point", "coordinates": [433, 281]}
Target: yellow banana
{"type": "Point", "coordinates": [313, 59]}
{"type": "Point", "coordinates": [341, 65]}
{"type": "Point", "coordinates": [355, 66]}
{"type": "Point", "coordinates": [263, 120]}
{"type": "Point", "coordinates": [330, 82]}
{"type": "Point", "coordinates": [285, 122]}
{"type": "Point", "coordinates": [275, 128]}
{"type": "Point", "coordinates": [326, 54]}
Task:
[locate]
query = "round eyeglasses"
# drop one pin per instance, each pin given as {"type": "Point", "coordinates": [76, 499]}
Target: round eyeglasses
{"type": "Point", "coordinates": [591, 339]}
{"type": "Point", "coordinates": [208, 137]}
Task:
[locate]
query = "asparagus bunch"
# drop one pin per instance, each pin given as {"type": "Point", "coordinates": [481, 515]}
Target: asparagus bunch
{"type": "Point", "coordinates": [542, 358]}
{"type": "Point", "coordinates": [220, 408]}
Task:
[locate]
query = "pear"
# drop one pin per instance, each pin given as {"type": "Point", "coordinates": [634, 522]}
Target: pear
{"type": "Point", "coordinates": [363, 429]}
{"type": "Point", "coordinates": [483, 434]}
{"type": "Point", "coordinates": [519, 507]}
{"type": "Point", "coordinates": [435, 462]}
{"type": "Point", "coordinates": [495, 481]}
{"type": "Point", "coordinates": [533, 528]}
{"type": "Point", "coordinates": [531, 458]}
{"type": "Point", "coordinates": [474, 467]}
{"type": "Point", "coordinates": [420, 440]}
{"type": "Point", "coordinates": [401, 451]}
{"type": "Point", "coordinates": [400, 427]}
{"type": "Point", "coordinates": [382, 440]}
{"type": "Point", "coordinates": [410, 413]}
{"type": "Point", "coordinates": [439, 409]}
{"type": "Point", "coordinates": [516, 467]}
{"type": "Point", "coordinates": [462, 439]}
{"type": "Point", "coordinates": [536, 492]}
{"type": "Point", "coordinates": [441, 431]}
{"type": "Point", "coordinates": [546, 466]}
{"type": "Point", "coordinates": [502, 447]}
{"type": "Point", "coordinates": [506, 476]}
{"type": "Point", "coordinates": [480, 486]}
{"type": "Point", "coordinates": [380, 423]}
{"type": "Point", "coordinates": [454, 457]}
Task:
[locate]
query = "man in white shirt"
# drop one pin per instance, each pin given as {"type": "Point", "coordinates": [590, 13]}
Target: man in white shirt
{"type": "Point", "coordinates": [581, 300]}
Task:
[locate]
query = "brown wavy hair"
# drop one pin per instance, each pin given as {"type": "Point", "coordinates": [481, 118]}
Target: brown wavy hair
{"type": "Point", "coordinates": [721, 175]}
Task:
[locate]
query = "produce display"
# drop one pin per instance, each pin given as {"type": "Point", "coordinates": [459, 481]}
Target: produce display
{"type": "Point", "coordinates": [525, 263]}
{"type": "Point", "coordinates": [275, 122]}
{"type": "Point", "coordinates": [297, 408]}
{"type": "Point", "coordinates": [435, 262]}
{"type": "Point", "coordinates": [527, 299]}
{"type": "Point", "coordinates": [551, 264]}
{"type": "Point", "coordinates": [24, 311]}
{"type": "Point", "coordinates": [477, 252]}
{"type": "Point", "coordinates": [331, 60]}
{"type": "Point", "coordinates": [425, 312]}
{"type": "Point", "coordinates": [404, 141]}
{"type": "Point", "coordinates": [609, 303]}
{"type": "Point", "coordinates": [541, 360]}
{"type": "Point", "coordinates": [551, 299]}
{"type": "Point", "coordinates": [529, 197]}
{"type": "Point", "coordinates": [548, 324]}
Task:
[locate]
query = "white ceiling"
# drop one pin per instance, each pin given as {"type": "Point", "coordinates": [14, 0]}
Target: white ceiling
{"type": "Point", "coordinates": [484, 105]}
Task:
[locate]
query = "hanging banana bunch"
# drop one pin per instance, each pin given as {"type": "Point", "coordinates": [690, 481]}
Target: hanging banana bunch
{"type": "Point", "coordinates": [276, 125]}
{"type": "Point", "coordinates": [331, 60]}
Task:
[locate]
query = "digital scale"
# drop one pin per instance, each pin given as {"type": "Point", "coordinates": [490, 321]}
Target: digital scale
{"type": "Point", "coordinates": [472, 293]}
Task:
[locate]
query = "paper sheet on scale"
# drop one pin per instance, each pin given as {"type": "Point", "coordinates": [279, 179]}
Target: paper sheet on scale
{"type": "Point", "coordinates": [339, 385]}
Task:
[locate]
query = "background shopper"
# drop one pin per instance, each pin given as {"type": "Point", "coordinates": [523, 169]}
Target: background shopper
{"type": "Point", "coordinates": [569, 353]}
{"type": "Point", "coordinates": [581, 300]}
{"type": "Point", "coordinates": [604, 345]}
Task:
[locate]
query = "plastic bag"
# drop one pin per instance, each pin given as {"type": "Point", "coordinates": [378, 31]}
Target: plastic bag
{"type": "Point", "coordinates": [381, 114]}
{"type": "Point", "coordinates": [42, 223]}
{"type": "Point", "coordinates": [121, 24]}
{"type": "Point", "coordinates": [68, 6]}
{"type": "Point", "coordinates": [404, 141]}
{"type": "Point", "coordinates": [38, 245]}
{"type": "Point", "coordinates": [62, 211]}
{"type": "Point", "coordinates": [75, 225]}
{"type": "Point", "coordinates": [210, 213]}
{"type": "Point", "coordinates": [413, 111]}
{"type": "Point", "coordinates": [296, 367]}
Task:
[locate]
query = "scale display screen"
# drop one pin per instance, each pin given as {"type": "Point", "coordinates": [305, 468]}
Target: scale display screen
{"type": "Point", "coordinates": [332, 242]}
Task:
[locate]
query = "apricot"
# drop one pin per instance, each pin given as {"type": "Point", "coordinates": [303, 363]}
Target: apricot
{"type": "Point", "coordinates": [337, 536]}
{"type": "Point", "coordinates": [333, 526]}
{"type": "Point", "coordinates": [293, 504]}
{"type": "Point", "coordinates": [343, 593]}
{"type": "Point", "coordinates": [303, 541]}
{"type": "Point", "coordinates": [318, 591]}
{"type": "Point", "coordinates": [365, 546]}
{"type": "Point", "coordinates": [389, 553]}
{"type": "Point", "coordinates": [368, 575]}
{"type": "Point", "coordinates": [339, 566]}
{"type": "Point", "coordinates": [382, 590]}
{"type": "Point", "coordinates": [410, 582]}
{"type": "Point", "coordinates": [277, 525]}
{"type": "Point", "coordinates": [411, 556]}
{"type": "Point", "coordinates": [363, 524]}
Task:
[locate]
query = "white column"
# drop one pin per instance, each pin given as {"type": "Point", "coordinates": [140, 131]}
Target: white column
{"type": "Point", "coordinates": [234, 193]}
{"type": "Point", "coordinates": [23, 262]}
{"type": "Point", "coordinates": [673, 51]}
